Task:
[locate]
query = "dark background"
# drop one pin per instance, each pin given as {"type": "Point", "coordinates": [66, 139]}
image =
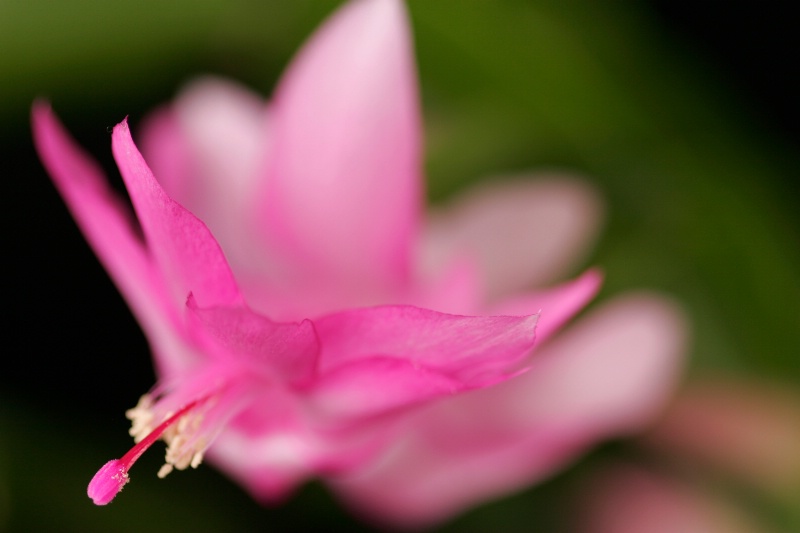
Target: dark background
{"type": "Point", "coordinates": [754, 45]}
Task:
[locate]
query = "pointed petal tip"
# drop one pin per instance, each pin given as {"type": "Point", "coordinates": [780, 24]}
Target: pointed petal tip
{"type": "Point", "coordinates": [596, 273]}
{"type": "Point", "coordinates": [40, 106]}
{"type": "Point", "coordinates": [592, 280]}
{"type": "Point", "coordinates": [122, 128]}
{"type": "Point", "coordinates": [42, 117]}
{"type": "Point", "coordinates": [338, 141]}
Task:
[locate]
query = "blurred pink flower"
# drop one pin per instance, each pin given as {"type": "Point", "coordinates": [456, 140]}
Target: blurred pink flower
{"type": "Point", "coordinates": [629, 499]}
{"type": "Point", "coordinates": [758, 421]}
{"type": "Point", "coordinates": [287, 282]}
{"type": "Point", "coordinates": [718, 434]}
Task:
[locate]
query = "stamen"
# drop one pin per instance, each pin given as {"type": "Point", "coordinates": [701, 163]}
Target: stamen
{"type": "Point", "coordinates": [113, 476]}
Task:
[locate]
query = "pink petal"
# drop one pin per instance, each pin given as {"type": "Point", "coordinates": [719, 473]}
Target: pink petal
{"type": "Point", "coordinates": [454, 289]}
{"type": "Point", "coordinates": [607, 376]}
{"type": "Point", "coordinates": [614, 370]}
{"type": "Point", "coordinates": [375, 386]}
{"type": "Point", "coordinates": [522, 233]}
{"type": "Point", "coordinates": [188, 255]}
{"type": "Point", "coordinates": [344, 178]}
{"type": "Point", "coordinates": [286, 352]}
{"type": "Point", "coordinates": [267, 447]}
{"type": "Point", "coordinates": [206, 151]}
{"type": "Point", "coordinates": [472, 350]}
{"type": "Point", "coordinates": [104, 219]}
{"type": "Point", "coordinates": [274, 444]}
{"type": "Point", "coordinates": [271, 450]}
{"type": "Point", "coordinates": [556, 305]}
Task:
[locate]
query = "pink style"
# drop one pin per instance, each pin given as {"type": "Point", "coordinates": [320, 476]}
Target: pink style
{"type": "Point", "coordinates": [307, 319]}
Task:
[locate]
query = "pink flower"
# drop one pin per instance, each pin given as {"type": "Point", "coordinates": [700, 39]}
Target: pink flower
{"type": "Point", "coordinates": [306, 319]}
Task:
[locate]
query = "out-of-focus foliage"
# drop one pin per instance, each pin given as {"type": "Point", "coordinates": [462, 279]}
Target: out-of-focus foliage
{"type": "Point", "coordinates": [701, 202]}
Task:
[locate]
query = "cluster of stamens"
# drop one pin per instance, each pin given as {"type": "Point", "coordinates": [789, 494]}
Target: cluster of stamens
{"type": "Point", "coordinates": [184, 446]}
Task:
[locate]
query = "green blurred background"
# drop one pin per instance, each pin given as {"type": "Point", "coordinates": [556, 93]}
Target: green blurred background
{"type": "Point", "coordinates": [687, 125]}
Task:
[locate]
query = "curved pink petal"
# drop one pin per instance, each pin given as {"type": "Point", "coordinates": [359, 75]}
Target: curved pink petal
{"type": "Point", "coordinates": [556, 305]}
{"type": "Point", "coordinates": [454, 288]}
{"type": "Point", "coordinates": [168, 153]}
{"type": "Point", "coordinates": [473, 350]}
{"type": "Point", "coordinates": [608, 375]}
{"type": "Point", "coordinates": [267, 447]}
{"type": "Point", "coordinates": [272, 447]}
{"type": "Point", "coordinates": [187, 253]}
{"type": "Point", "coordinates": [522, 233]}
{"type": "Point", "coordinates": [286, 351]}
{"type": "Point", "coordinates": [206, 151]}
{"type": "Point", "coordinates": [105, 220]}
{"type": "Point", "coordinates": [343, 183]}
{"type": "Point", "coordinates": [276, 443]}
{"type": "Point", "coordinates": [376, 386]}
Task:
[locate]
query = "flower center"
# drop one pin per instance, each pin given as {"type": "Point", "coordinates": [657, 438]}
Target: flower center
{"type": "Point", "coordinates": [181, 431]}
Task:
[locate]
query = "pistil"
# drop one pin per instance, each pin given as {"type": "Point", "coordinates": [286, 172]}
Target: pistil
{"type": "Point", "coordinates": [113, 476]}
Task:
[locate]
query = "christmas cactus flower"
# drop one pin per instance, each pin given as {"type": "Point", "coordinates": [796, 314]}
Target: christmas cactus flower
{"type": "Point", "coordinates": [306, 318]}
